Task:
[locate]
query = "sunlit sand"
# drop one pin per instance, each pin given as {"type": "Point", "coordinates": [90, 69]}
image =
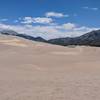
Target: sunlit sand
{"type": "Point", "coordinates": [13, 42]}
{"type": "Point", "coordinates": [38, 71]}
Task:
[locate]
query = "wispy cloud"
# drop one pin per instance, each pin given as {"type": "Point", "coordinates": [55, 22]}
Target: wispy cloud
{"type": "Point", "coordinates": [41, 20]}
{"type": "Point", "coordinates": [56, 14]}
{"type": "Point", "coordinates": [67, 26]}
{"type": "Point", "coordinates": [3, 20]}
{"type": "Point", "coordinates": [16, 21]}
{"type": "Point", "coordinates": [90, 8]}
{"type": "Point", "coordinates": [49, 31]}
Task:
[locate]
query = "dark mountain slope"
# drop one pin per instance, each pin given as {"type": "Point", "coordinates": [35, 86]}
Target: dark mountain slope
{"type": "Point", "coordinates": [91, 39]}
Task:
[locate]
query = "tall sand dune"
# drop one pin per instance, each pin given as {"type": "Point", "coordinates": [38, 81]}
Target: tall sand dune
{"type": "Point", "coordinates": [38, 71]}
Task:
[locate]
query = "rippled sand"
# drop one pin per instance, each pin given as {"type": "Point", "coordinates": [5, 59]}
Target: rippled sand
{"type": "Point", "coordinates": [38, 71]}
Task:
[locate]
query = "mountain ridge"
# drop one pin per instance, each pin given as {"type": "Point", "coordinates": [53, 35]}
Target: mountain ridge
{"type": "Point", "coordinates": [89, 39]}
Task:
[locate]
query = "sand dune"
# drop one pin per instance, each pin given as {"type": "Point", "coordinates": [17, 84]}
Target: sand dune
{"type": "Point", "coordinates": [38, 71]}
{"type": "Point", "coordinates": [13, 42]}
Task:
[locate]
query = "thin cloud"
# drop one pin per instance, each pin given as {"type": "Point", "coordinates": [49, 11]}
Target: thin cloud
{"type": "Point", "coordinates": [40, 20]}
{"type": "Point", "coordinates": [3, 20]}
{"type": "Point", "coordinates": [89, 8]}
{"type": "Point", "coordinates": [56, 14]}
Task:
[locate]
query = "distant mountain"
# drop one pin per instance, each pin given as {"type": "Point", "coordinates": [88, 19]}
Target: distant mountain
{"type": "Point", "coordinates": [40, 39]}
{"type": "Point", "coordinates": [62, 41]}
{"type": "Point", "coordinates": [91, 38]}
{"type": "Point", "coordinates": [13, 33]}
{"type": "Point", "coordinates": [88, 39]}
{"type": "Point", "coordinates": [8, 32]}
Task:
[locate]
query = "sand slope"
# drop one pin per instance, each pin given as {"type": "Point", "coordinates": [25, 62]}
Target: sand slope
{"type": "Point", "coordinates": [38, 71]}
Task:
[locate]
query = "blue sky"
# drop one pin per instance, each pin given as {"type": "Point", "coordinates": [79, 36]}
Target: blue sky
{"type": "Point", "coordinates": [50, 18]}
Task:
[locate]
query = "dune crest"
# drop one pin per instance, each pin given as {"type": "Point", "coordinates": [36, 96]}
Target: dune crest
{"type": "Point", "coordinates": [13, 42]}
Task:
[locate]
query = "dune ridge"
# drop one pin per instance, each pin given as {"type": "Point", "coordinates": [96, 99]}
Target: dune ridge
{"type": "Point", "coordinates": [39, 71]}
